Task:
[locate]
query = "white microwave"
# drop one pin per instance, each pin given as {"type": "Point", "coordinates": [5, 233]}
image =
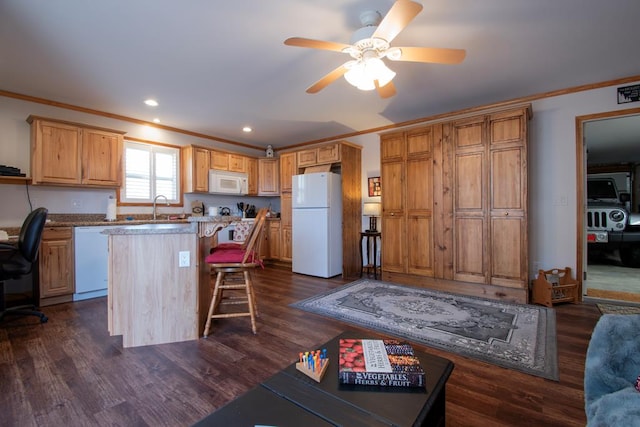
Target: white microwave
{"type": "Point", "coordinates": [223, 182]}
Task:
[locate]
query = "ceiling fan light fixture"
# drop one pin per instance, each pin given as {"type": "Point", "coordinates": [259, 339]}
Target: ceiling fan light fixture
{"type": "Point", "coordinates": [363, 74]}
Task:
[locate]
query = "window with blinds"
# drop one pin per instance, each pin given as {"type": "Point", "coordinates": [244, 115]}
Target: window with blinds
{"type": "Point", "coordinates": [150, 170]}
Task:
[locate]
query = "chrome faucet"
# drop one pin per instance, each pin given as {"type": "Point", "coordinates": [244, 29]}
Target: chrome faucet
{"type": "Point", "coordinates": [154, 204]}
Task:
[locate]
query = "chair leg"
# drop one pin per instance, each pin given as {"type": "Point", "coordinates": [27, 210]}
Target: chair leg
{"type": "Point", "coordinates": [250, 300]}
{"type": "Point", "coordinates": [215, 301]}
{"type": "Point", "coordinates": [253, 296]}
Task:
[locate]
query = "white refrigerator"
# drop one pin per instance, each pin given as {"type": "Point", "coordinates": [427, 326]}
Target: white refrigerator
{"type": "Point", "coordinates": [317, 224]}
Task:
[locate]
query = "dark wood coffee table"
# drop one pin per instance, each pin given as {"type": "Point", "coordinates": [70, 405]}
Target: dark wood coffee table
{"type": "Point", "coordinates": [331, 403]}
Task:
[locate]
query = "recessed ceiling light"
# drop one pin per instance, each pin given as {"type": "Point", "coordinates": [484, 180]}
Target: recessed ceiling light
{"type": "Point", "coordinates": [247, 129]}
{"type": "Point", "coordinates": [151, 102]}
{"type": "Point", "coordinates": [156, 120]}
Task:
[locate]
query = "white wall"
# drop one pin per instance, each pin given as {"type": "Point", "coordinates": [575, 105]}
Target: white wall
{"type": "Point", "coordinates": [552, 173]}
{"type": "Point", "coordinates": [552, 168]}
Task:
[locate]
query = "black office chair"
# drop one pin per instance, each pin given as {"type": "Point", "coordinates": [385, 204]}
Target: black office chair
{"type": "Point", "coordinates": [17, 261]}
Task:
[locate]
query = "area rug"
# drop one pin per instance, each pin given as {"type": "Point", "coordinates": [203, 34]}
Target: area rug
{"type": "Point", "coordinates": [618, 309]}
{"type": "Point", "coordinates": [515, 336]}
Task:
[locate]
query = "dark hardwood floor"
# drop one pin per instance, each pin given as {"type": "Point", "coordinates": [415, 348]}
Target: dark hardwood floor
{"type": "Point", "coordinates": [70, 372]}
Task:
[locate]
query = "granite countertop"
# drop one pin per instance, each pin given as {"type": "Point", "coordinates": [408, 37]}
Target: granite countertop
{"type": "Point", "coordinates": [154, 228]}
{"type": "Point", "coordinates": [88, 220]}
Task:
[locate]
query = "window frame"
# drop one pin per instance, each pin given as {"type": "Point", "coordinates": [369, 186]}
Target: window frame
{"type": "Point", "coordinates": [153, 148]}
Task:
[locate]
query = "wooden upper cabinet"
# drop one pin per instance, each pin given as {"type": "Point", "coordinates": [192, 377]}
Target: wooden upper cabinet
{"type": "Point", "coordinates": [56, 153]}
{"type": "Point", "coordinates": [324, 154]}
{"type": "Point", "coordinates": [307, 158]}
{"type": "Point", "coordinates": [101, 158]}
{"type": "Point", "coordinates": [195, 169]}
{"type": "Point", "coordinates": [328, 153]}
{"type": "Point", "coordinates": [219, 160]}
{"type": "Point", "coordinates": [251, 165]}
{"type": "Point", "coordinates": [268, 174]}
{"type": "Point", "coordinates": [288, 168]}
{"type": "Point", "coordinates": [419, 142]}
{"type": "Point", "coordinates": [237, 163]}
{"type": "Point", "coordinates": [469, 134]}
{"type": "Point", "coordinates": [68, 153]}
{"type": "Point", "coordinates": [227, 161]}
{"type": "Point", "coordinates": [392, 147]}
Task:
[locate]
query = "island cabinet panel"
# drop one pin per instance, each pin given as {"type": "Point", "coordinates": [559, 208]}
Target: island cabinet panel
{"type": "Point", "coordinates": [454, 205]}
{"type": "Point", "coordinates": [151, 299]}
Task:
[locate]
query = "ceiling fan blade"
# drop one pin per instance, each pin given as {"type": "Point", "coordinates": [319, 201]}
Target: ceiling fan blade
{"type": "Point", "coordinates": [386, 91]}
{"type": "Point", "coordinates": [401, 13]}
{"type": "Point", "coordinates": [430, 54]}
{"type": "Point", "coordinates": [327, 79]}
{"type": "Point", "coordinates": [316, 44]}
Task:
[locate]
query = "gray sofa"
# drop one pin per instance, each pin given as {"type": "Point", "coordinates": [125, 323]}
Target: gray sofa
{"type": "Point", "coordinates": [611, 369]}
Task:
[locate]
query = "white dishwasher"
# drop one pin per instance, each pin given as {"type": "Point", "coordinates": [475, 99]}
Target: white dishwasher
{"type": "Point", "coordinates": [92, 259]}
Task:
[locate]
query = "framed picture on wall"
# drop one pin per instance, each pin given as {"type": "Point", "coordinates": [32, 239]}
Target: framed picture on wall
{"type": "Point", "coordinates": [374, 187]}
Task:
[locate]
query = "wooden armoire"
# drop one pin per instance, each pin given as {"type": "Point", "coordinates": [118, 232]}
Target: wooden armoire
{"type": "Point", "coordinates": [454, 205]}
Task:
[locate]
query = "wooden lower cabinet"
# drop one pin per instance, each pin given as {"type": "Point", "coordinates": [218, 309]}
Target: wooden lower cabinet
{"type": "Point", "coordinates": [56, 266]}
{"type": "Point", "coordinates": [272, 240]}
{"type": "Point", "coordinates": [286, 252]}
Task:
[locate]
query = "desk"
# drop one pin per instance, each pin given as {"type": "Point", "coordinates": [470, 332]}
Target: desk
{"type": "Point", "coordinates": [339, 405]}
{"type": "Point", "coordinates": [370, 235]}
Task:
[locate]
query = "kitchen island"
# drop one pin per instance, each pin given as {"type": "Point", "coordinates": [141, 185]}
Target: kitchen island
{"type": "Point", "coordinates": [159, 285]}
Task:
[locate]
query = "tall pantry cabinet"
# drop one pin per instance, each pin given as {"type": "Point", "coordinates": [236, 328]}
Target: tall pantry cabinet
{"type": "Point", "coordinates": [454, 205]}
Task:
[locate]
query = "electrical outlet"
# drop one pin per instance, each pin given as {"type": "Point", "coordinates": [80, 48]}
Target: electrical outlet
{"type": "Point", "coordinates": [183, 259]}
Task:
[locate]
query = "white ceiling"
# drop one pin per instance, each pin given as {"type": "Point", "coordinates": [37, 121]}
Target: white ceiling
{"type": "Point", "coordinates": [216, 66]}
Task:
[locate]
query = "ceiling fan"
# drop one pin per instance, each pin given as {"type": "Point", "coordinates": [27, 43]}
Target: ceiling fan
{"type": "Point", "coordinates": [370, 44]}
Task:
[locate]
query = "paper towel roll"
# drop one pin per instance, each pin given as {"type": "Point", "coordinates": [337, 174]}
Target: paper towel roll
{"type": "Point", "coordinates": [111, 209]}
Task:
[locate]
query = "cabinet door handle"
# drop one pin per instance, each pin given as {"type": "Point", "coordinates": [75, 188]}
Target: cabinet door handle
{"type": "Point", "coordinates": [393, 214]}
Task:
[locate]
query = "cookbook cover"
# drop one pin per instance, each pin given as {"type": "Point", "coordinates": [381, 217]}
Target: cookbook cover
{"type": "Point", "coordinates": [389, 363]}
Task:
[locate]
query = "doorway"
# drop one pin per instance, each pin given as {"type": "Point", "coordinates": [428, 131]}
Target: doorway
{"type": "Point", "coordinates": [604, 274]}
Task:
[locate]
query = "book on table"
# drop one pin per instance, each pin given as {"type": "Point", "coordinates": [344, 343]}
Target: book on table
{"type": "Point", "coordinates": [389, 363]}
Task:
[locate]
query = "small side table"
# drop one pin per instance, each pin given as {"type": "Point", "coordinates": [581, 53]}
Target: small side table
{"type": "Point", "coordinates": [370, 235]}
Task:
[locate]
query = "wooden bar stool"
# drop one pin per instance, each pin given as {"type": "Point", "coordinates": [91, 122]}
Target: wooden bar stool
{"type": "Point", "coordinates": [233, 273]}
